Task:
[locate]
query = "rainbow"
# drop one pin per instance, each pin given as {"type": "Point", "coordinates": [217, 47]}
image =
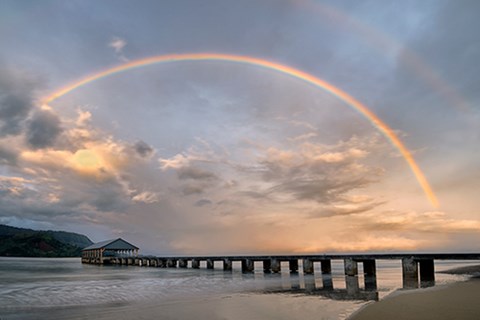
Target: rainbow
{"type": "Point", "coordinates": [382, 42]}
{"type": "Point", "coordinates": [295, 73]}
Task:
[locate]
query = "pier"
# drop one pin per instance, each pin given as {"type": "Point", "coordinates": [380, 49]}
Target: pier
{"type": "Point", "coordinates": [417, 269]}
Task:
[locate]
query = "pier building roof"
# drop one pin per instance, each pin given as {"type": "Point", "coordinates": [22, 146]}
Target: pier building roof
{"type": "Point", "coordinates": [114, 244]}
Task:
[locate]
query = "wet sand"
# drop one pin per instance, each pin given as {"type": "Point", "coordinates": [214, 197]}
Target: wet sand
{"type": "Point", "coordinates": [219, 307]}
{"type": "Point", "coordinates": [458, 301]}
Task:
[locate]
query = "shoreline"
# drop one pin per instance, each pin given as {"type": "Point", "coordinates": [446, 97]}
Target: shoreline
{"type": "Point", "coordinates": [80, 292]}
{"type": "Point", "coordinates": [453, 301]}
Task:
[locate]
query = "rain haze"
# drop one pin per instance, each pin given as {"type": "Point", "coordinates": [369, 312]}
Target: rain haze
{"type": "Point", "coordinates": [213, 156]}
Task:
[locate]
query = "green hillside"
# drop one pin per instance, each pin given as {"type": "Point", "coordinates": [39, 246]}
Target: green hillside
{"type": "Point", "coordinates": [19, 242]}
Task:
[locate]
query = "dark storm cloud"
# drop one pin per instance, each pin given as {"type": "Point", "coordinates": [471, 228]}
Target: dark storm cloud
{"type": "Point", "coordinates": [42, 129]}
{"type": "Point", "coordinates": [105, 194]}
{"type": "Point", "coordinates": [75, 200]}
{"type": "Point", "coordinates": [16, 100]}
{"type": "Point", "coordinates": [143, 149]}
{"type": "Point", "coordinates": [110, 198]}
{"type": "Point", "coordinates": [19, 199]}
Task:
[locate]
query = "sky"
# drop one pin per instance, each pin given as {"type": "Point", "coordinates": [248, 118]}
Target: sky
{"type": "Point", "coordinates": [220, 157]}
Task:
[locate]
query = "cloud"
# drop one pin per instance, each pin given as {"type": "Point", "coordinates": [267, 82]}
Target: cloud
{"type": "Point", "coordinates": [58, 192]}
{"type": "Point", "coordinates": [194, 169]}
{"type": "Point", "coordinates": [191, 189]}
{"type": "Point", "coordinates": [203, 203]}
{"type": "Point", "coordinates": [257, 195]}
{"type": "Point", "coordinates": [43, 129]}
{"type": "Point", "coordinates": [84, 118]}
{"type": "Point", "coordinates": [8, 156]}
{"type": "Point", "coordinates": [305, 136]}
{"type": "Point", "coordinates": [145, 197]}
{"type": "Point", "coordinates": [201, 152]}
{"type": "Point", "coordinates": [344, 209]}
{"type": "Point", "coordinates": [326, 174]}
{"type": "Point", "coordinates": [424, 222]}
{"type": "Point", "coordinates": [175, 162]}
{"type": "Point", "coordinates": [108, 196]}
{"type": "Point", "coordinates": [118, 44]}
{"type": "Point", "coordinates": [194, 173]}
{"type": "Point", "coordinates": [17, 91]}
{"type": "Point", "coordinates": [143, 149]}
{"type": "Point", "coordinates": [87, 175]}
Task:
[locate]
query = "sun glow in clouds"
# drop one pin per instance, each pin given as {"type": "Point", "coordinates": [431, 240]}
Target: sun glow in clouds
{"type": "Point", "coordinates": [86, 159]}
{"type": "Point", "coordinates": [349, 100]}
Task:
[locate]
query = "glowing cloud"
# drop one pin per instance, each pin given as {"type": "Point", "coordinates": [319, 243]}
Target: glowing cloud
{"type": "Point", "coordinates": [295, 73]}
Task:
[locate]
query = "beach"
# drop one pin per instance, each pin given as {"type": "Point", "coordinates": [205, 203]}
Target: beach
{"type": "Point", "coordinates": [454, 301]}
{"type": "Point", "coordinates": [64, 288]}
{"type": "Point", "coordinates": [212, 307]}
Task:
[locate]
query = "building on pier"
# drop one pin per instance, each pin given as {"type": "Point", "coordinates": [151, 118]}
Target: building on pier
{"type": "Point", "coordinates": [102, 252]}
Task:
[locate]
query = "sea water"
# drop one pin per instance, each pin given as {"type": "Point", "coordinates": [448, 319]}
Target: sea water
{"type": "Point", "coordinates": [64, 288]}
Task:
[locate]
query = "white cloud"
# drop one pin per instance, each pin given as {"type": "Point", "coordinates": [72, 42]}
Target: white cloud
{"type": "Point", "coordinates": [118, 44]}
{"type": "Point", "coordinates": [146, 197]}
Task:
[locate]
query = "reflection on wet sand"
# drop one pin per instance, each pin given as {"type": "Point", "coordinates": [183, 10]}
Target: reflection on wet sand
{"type": "Point", "coordinates": [311, 285]}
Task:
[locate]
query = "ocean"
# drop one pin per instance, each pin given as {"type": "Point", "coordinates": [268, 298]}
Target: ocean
{"type": "Point", "coordinates": [64, 288]}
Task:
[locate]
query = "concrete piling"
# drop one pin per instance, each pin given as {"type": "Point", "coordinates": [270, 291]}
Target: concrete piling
{"type": "Point", "coordinates": [307, 266]}
{"type": "Point", "coordinates": [293, 265]}
{"type": "Point", "coordinates": [351, 267]}
{"type": "Point", "coordinates": [327, 281]}
{"type": "Point", "coordinates": [370, 282]}
{"type": "Point", "coordinates": [309, 280]}
{"type": "Point", "coordinates": [267, 266]}
{"type": "Point", "coordinates": [195, 264]}
{"type": "Point", "coordinates": [247, 266]}
{"type": "Point", "coordinates": [210, 264]}
{"type": "Point", "coordinates": [275, 265]}
{"type": "Point", "coordinates": [227, 265]}
{"type": "Point", "coordinates": [427, 273]}
{"type": "Point", "coordinates": [370, 274]}
{"type": "Point", "coordinates": [326, 266]}
{"type": "Point", "coordinates": [171, 263]}
{"type": "Point", "coordinates": [409, 272]}
{"type": "Point", "coordinates": [352, 285]}
{"type": "Point", "coordinates": [182, 263]}
{"type": "Point", "coordinates": [369, 267]}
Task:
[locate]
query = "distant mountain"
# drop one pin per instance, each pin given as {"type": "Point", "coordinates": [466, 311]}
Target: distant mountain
{"type": "Point", "coordinates": [20, 242]}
